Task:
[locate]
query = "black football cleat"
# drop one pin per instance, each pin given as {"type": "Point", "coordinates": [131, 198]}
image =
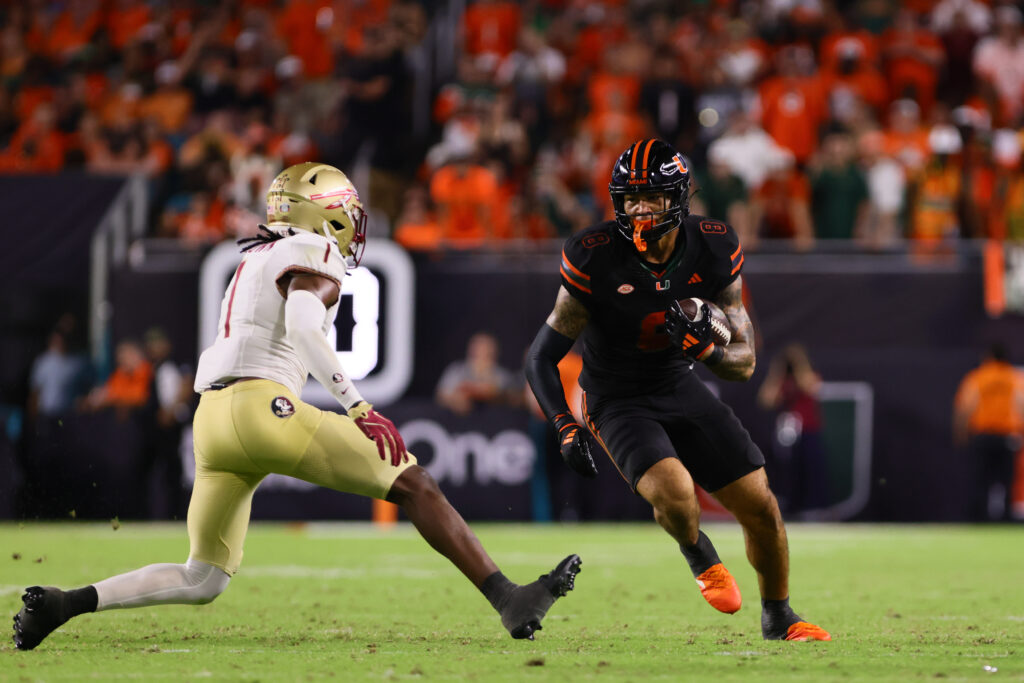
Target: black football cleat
{"type": "Point", "coordinates": [42, 613]}
{"type": "Point", "coordinates": [528, 604]}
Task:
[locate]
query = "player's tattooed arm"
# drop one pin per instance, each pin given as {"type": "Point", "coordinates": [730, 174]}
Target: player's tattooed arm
{"type": "Point", "coordinates": [569, 316]}
{"type": "Point", "coordinates": [738, 362]}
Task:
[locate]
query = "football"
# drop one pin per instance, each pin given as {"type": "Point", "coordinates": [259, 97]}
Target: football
{"type": "Point", "coordinates": [721, 331]}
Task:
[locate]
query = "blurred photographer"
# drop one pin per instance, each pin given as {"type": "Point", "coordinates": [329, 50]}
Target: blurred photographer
{"type": "Point", "coordinates": [791, 388]}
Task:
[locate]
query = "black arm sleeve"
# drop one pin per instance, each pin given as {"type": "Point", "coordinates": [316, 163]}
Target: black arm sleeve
{"type": "Point", "coordinates": [547, 349]}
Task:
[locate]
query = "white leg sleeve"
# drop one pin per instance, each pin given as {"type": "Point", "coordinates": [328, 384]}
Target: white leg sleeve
{"type": "Point", "coordinates": [192, 583]}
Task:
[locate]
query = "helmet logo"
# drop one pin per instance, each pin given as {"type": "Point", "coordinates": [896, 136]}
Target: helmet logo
{"type": "Point", "coordinates": [626, 288]}
{"type": "Point", "coordinates": [677, 166]}
{"type": "Point", "coordinates": [344, 195]}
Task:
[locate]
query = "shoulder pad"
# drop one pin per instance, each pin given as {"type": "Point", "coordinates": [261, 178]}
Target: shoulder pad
{"type": "Point", "coordinates": [720, 243]}
{"type": "Point", "coordinates": [310, 253]}
{"type": "Point", "coordinates": [578, 257]}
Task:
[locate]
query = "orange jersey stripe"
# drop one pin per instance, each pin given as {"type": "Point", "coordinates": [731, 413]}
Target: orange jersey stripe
{"type": "Point", "coordinates": [568, 278]}
{"type": "Point", "coordinates": [565, 261]}
{"type": "Point", "coordinates": [735, 253]}
{"type": "Point", "coordinates": [737, 266]}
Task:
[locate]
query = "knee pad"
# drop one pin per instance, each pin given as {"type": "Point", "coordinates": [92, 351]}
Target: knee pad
{"type": "Point", "coordinates": [206, 581]}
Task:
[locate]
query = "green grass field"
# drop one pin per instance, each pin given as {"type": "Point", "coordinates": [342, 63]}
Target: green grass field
{"type": "Point", "coordinates": [353, 602]}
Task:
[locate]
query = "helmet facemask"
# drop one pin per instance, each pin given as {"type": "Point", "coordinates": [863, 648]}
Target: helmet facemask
{"type": "Point", "coordinates": [648, 167]}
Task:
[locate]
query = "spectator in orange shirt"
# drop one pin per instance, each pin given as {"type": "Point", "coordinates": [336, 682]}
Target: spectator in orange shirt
{"type": "Point", "coordinates": [464, 193]}
{"type": "Point", "coordinates": [854, 77]}
{"type": "Point", "coordinates": [416, 229]}
{"type": "Point", "coordinates": [988, 418]}
{"type": "Point", "coordinates": [605, 28]}
{"type": "Point", "coordinates": [37, 146]}
{"type": "Point", "coordinates": [125, 19]}
{"type": "Point", "coordinates": [128, 386]}
{"type": "Point", "coordinates": [304, 24]}
{"type": "Point", "coordinates": [491, 27]}
{"type": "Point", "coordinates": [613, 88]}
{"type": "Point", "coordinates": [73, 30]}
{"type": "Point", "coordinates": [169, 104]}
{"type": "Point", "coordinates": [781, 207]}
{"type": "Point", "coordinates": [913, 57]}
{"type": "Point", "coordinates": [202, 224]}
{"type": "Point", "coordinates": [793, 104]}
{"type": "Point", "coordinates": [904, 139]}
{"type": "Point", "coordinates": [837, 45]}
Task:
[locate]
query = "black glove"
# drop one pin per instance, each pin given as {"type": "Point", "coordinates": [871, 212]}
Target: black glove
{"type": "Point", "coordinates": [577, 446]}
{"type": "Point", "coordinates": [694, 338]}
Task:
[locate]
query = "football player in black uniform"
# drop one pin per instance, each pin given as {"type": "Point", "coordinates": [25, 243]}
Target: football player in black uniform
{"type": "Point", "coordinates": [663, 429]}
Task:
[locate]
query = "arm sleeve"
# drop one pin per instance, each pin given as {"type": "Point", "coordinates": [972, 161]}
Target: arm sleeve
{"type": "Point", "coordinates": [548, 348]}
{"type": "Point", "coordinates": [304, 315]}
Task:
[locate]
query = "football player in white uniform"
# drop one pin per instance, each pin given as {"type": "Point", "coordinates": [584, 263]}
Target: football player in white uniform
{"type": "Point", "coordinates": [250, 422]}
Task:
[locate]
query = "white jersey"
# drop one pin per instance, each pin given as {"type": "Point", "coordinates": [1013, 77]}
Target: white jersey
{"type": "Point", "coordinates": [252, 340]}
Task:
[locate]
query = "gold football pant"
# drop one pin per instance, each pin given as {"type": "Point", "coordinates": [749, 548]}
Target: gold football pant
{"type": "Point", "coordinates": [253, 428]}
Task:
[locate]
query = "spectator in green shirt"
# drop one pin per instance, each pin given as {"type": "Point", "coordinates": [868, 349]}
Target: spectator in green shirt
{"type": "Point", "coordinates": [839, 192]}
{"type": "Point", "coordinates": [722, 194]}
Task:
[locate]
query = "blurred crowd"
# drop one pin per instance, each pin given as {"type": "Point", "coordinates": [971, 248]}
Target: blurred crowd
{"type": "Point", "coordinates": [804, 121]}
{"type": "Point", "coordinates": [148, 395]}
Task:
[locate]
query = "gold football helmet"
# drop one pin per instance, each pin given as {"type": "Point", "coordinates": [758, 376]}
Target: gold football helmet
{"type": "Point", "coordinates": [318, 198]}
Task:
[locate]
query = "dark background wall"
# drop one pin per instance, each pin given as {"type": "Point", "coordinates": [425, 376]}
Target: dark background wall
{"type": "Point", "coordinates": [909, 328]}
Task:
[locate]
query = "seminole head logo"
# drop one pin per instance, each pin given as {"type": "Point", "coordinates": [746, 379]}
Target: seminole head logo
{"type": "Point", "coordinates": [282, 407]}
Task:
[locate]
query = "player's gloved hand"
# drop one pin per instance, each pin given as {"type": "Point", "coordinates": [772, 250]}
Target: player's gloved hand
{"type": "Point", "coordinates": [381, 430]}
{"type": "Point", "coordinates": [694, 338]}
{"type": "Point", "coordinates": [577, 446]}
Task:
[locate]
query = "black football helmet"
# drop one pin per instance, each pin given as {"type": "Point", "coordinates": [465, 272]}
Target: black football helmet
{"type": "Point", "coordinates": [649, 166]}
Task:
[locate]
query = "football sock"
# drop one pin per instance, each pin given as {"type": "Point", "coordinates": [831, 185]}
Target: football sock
{"type": "Point", "coordinates": [701, 555]}
{"type": "Point", "coordinates": [497, 589]}
{"type": "Point", "coordinates": [776, 618]}
{"type": "Point", "coordinates": [192, 583]}
{"type": "Point", "coordinates": [79, 601]}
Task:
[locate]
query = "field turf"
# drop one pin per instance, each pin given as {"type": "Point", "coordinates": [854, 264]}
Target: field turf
{"type": "Point", "coordinates": [354, 602]}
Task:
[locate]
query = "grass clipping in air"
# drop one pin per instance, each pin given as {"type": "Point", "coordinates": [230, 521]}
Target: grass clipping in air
{"type": "Point", "coordinates": [354, 602]}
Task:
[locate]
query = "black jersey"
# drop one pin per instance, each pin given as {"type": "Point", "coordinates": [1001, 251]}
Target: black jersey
{"type": "Point", "coordinates": [626, 350]}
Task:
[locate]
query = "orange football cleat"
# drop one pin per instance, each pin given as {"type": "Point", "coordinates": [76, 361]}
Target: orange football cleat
{"type": "Point", "coordinates": [803, 630]}
{"type": "Point", "coordinates": [720, 589]}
